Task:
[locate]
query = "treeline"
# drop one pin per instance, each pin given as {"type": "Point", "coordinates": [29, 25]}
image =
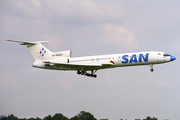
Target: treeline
{"type": "Point", "coordinates": [58, 116]}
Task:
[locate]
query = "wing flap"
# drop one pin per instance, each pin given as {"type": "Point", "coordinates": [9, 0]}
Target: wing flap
{"type": "Point", "coordinates": [64, 62]}
{"type": "Point", "coordinates": [73, 64]}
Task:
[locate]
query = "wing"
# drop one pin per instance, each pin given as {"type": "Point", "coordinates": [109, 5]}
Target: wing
{"type": "Point", "coordinates": [80, 66]}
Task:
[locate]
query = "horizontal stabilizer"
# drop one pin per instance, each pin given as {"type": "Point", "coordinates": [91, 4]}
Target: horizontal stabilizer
{"type": "Point", "coordinates": [36, 48]}
{"type": "Point", "coordinates": [28, 43]}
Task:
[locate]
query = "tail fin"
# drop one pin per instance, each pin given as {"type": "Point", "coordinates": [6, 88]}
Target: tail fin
{"type": "Point", "coordinates": [37, 50]}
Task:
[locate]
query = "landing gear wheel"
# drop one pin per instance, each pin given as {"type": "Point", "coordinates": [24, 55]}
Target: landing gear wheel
{"type": "Point", "coordinates": [94, 75]}
{"type": "Point", "coordinates": [88, 74]}
{"type": "Point", "coordinates": [82, 73]}
{"type": "Point", "coordinates": [78, 72]}
{"type": "Point", "coordinates": [151, 69]}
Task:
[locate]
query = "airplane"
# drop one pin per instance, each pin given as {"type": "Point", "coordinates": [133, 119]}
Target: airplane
{"type": "Point", "coordinates": [62, 60]}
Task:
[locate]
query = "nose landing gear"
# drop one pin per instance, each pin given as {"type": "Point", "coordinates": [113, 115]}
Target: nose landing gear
{"type": "Point", "coordinates": [151, 68]}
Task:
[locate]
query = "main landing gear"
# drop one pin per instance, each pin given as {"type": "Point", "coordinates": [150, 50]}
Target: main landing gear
{"type": "Point", "coordinates": [151, 68]}
{"type": "Point", "coordinates": [87, 74]}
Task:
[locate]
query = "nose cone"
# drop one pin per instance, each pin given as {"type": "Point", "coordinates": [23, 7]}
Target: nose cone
{"type": "Point", "coordinates": [172, 58]}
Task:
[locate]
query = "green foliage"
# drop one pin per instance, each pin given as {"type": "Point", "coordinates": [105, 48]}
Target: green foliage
{"type": "Point", "coordinates": [48, 117]}
{"type": "Point", "coordinates": [3, 117]}
{"type": "Point", "coordinates": [59, 116]}
{"type": "Point", "coordinates": [83, 116]}
{"type": "Point", "coordinates": [9, 117]}
{"type": "Point", "coordinates": [149, 118]}
{"type": "Point", "coordinates": [32, 119]}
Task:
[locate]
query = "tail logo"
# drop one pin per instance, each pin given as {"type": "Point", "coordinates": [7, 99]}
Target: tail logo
{"type": "Point", "coordinates": [42, 52]}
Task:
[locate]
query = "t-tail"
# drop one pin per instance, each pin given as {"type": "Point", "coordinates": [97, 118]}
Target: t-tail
{"type": "Point", "coordinates": [39, 52]}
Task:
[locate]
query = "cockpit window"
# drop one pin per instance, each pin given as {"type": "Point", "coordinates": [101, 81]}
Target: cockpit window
{"type": "Point", "coordinates": [165, 54]}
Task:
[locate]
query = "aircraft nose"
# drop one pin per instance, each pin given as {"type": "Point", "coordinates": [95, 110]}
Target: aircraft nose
{"type": "Point", "coordinates": [172, 58]}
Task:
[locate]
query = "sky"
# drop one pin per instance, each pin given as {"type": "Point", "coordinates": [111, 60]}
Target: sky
{"type": "Point", "coordinates": [90, 27]}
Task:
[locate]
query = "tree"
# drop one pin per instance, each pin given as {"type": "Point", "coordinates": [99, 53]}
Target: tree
{"type": "Point", "coordinates": [83, 116]}
{"type": "Point", "coordinates": [3, 117]}
{"type": "Point", "coordinates": [59, 116]}
{"type": "Point", "coordinates": [48, 117]}
{"type": "Point", "coordinates": [38, 118]}
{"type": "Point", "coordinates": [149, 118]}
{"type": "Point", "coordinates": [32, 119]}
{"type": "Point", "coordinates": [12, 117]}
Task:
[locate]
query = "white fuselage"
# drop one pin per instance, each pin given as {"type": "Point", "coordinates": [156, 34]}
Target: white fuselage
{"type": "Point", "coordinates": [62, 60]}
{"type": "Point", "coordinates": [108, 61]}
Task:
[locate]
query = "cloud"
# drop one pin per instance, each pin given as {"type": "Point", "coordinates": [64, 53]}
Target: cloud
{"type": "Point", "coordinates": [65, 11]}
{"type": "Point", "coordinates": [65, 84]}
{"type": "Point", "coordinates": [56, 42]}
{"type": "Point", "coordinates": [35, 2]}
{"type": "Point", "coordinates": [120, 35]}
{"type": "Point", "coordinates": [52, 21]}
{"type": "Point", "coordinates": [80, 11]}
{"type": "Point", "coordinates": [89, 28]}
{"type": "Point", "coordinates": [25, 10]}
{"type": "Point", "coordinates": [176, 46]}
{"type": "Point", "coordinates": [9, 81]}
{"type": "Point", "coordinates": [62, 84]}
